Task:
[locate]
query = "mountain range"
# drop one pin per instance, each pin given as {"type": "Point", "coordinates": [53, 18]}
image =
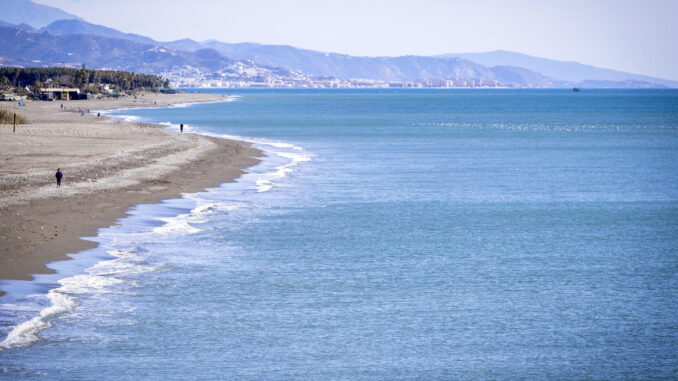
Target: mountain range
{"type": "Point", "coordinates": [35, 15]}
{"type": "Point", "coordinates": [20, 47]}
{"type": "Point", "coordinates": [36, 35]}
{"type": "Point", "coordinates": [568, 71]}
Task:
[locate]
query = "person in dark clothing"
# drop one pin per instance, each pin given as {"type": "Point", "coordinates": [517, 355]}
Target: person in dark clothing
{"type": "Point", "coordinates": [181, 127]}
{"type": "Point", "coordinates": [59, 175]}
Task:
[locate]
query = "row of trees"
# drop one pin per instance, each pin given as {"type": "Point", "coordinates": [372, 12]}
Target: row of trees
{"type": "Point", "coordinates": [84, 79]}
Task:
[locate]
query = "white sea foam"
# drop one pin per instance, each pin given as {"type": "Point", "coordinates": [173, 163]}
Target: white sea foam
{"type": "Point", "coordinates": [26, 333]}
{"type": "Point", "coordinates": [132, 118]}
{"type": "Point", "coordinates": [183, 223]}
{"type": "Point", "coordinates": [129, 118]}
{"type": "Point", "coordinates": [62, 300]}
{"type": "Point", "coordinates": [295, 159]}
{"type": "Point", "coordinates": [281, 145]}
{"type": "Point", "coordinates": [98, 280]}
{"type": "Point", "coordinates": [179, 225]}
{"type": "Point", "coordinates": [263, 143]}
{"type": "Point", "coordinates": [229, 98]}
{"type": "Point", "coordinates": [206, 207]}
{"type": "Point", "coordinates": [266, 181]}
{"type": "Point", "coordinates": [264, 185]}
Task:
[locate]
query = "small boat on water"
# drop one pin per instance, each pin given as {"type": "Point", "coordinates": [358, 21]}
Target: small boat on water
{"type": "Point", "coordinates": [575, 89]}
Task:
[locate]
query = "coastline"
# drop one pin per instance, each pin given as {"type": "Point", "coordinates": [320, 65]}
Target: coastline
{"type": "Point", "coordinates": [109, 166]}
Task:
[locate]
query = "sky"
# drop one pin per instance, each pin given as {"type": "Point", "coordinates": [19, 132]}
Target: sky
{"type": "Point", "coordinates": [637, 36]}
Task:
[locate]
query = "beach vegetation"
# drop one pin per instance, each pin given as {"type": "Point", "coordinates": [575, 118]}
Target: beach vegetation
{"type": "Point", "coordinates": [7, 117]}
{"type": "Point", "coordinates": [87, 80]}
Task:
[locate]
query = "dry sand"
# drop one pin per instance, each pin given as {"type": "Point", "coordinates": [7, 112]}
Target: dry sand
{"type": "Point", "coordinates": [108, 165]}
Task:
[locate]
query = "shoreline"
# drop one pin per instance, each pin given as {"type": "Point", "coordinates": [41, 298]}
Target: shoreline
{"type": "Point", "coordinates": [103, 178]}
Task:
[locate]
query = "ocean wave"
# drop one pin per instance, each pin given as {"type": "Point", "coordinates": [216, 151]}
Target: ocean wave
{"type": "Point", "coordinates": [265, 182]}
{"type": "Point", "coordinates": [227, 98]}
{"type": "Point", "coordinates": [98, 280]}
{"type": "Point", "coordinates": [280, 145]}
{"type": "Point", "coordinates": [62, 299]}
{"type": "Point", "coordinates": [264, 185]}
{"type": "Point", "coordinates": [183, 223]}
{"type": "Point", "coordinates": [263, 143]}
{"type": "Point", "coordinates": [179, 225]}
{"type": "Point", "coordinates": [128, 118]}
{"type": "Point", "coordinates": [26, 333]}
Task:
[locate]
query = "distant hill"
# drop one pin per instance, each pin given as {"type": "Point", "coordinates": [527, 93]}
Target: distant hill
{"type": "Point", "coordinates": [405, 68]}
{"type": "Point", "coordinates": [24, 48]}
{"type": "Point", "coordinates": [36, 15]}
{"type": "Point", "coordinates": [186, 44]}
{"type": "Point", "coordinates": [525, 77]}
{"type": "Point", "coordinates": [561, 70]}
{"type": "Point", "coordinates": [66, 27]}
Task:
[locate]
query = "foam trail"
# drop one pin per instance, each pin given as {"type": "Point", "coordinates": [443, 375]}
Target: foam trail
{"type": "Point", "coordinates": [26, 333]}
{"type": "Point", "coordinates": [265, 181]}
{"type": "Point", "coordinates": [179, 225]}
{"type": "Point", "coordinates": [131, 118]}
{"type": "Point", "coordinates": [64, 298]}
{"type": "Point", "coordinates": [262, 142]}
{"type": "Point", "coordinates": [182, 224]}
{"type": "Point", "coordinates": [264, 185]}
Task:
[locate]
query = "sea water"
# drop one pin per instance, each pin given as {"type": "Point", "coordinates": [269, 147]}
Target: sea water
{"type": "Point", "coordinates": [387, 234]}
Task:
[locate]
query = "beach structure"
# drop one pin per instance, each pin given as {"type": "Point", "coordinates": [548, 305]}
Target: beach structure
{"type": "Point", "coordinates": [62, 93]}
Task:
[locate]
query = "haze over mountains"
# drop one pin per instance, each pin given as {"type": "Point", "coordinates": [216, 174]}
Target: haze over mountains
{"type": "Point", "coordinates": [66, 40]}
{"type": "Point", "coordinates": [568, 71]}
{"type": "Point", "coordinates": [35, 15]}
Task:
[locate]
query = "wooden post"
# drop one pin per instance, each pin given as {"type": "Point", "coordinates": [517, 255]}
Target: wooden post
{"type": "Point", "coordinates": [14, 130]}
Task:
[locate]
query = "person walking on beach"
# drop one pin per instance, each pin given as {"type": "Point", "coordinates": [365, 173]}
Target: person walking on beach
{"type": "Point", "coordinates": [59, 175]}
{"type": "Point", "coordinates": [181, 127]}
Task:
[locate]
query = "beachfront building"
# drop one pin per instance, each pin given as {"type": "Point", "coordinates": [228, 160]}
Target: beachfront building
{"type": "Point", "coordinates": [61, 93]}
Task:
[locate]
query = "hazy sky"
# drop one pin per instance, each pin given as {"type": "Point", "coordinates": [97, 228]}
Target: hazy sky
{"type": "Point", "coordinates": [638, 36]}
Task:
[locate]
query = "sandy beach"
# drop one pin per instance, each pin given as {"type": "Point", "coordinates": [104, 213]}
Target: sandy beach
{"type": "Point", "coordinates": [108, 165]}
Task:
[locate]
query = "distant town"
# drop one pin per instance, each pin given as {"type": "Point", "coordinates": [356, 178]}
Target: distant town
{"type": "Point", "coordinates": [246, 74]}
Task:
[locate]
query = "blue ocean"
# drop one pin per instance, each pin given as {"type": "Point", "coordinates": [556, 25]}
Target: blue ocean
{"type": "Point", "coordinates": [386, 235]}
